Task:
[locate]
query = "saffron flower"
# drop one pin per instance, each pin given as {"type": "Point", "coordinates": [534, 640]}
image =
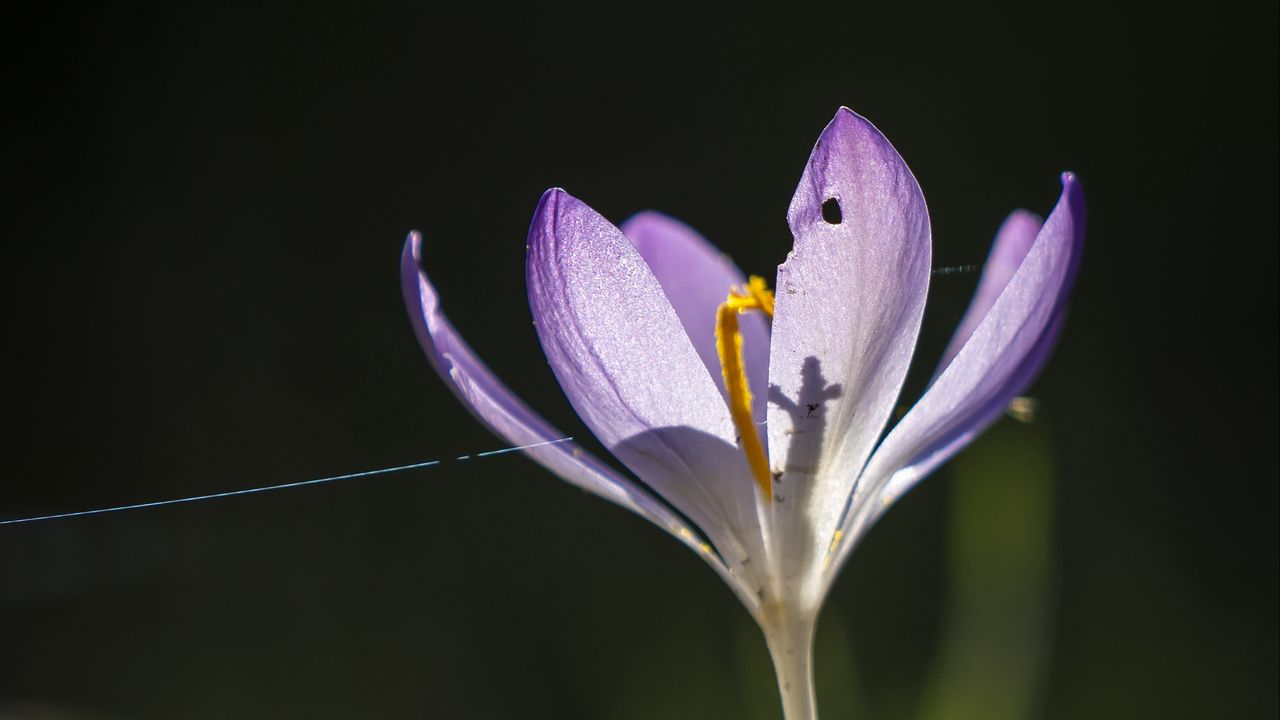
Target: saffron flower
{"type": "Point", "coordinates": [754, 424]}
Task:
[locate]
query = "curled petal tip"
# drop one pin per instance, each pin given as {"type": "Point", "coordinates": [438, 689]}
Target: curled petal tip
{"type": "Point", "coordinates": [1073, 195]}
{"type": "Point", "coordinates": [553, 193]}
{"type": "Point", "coordinates": [411, 257]}
{"type": "Point", "coordinates": [1072, 189]}
{"type": "Point", "coordinates": [413, 244]}
{"type": "Point", "coordinates": [549, 205]}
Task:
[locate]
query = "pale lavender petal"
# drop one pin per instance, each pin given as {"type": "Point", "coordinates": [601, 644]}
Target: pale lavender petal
{"type": "Point", "coordinates": [1001, 357]}
{"type": "Point", "coordinates": [696, 278]}
{"type": "Point", "coordinates": [850, 298]}
{"type": "Point", "coordinates": [506, 415]}
{"type": "Point", "coordinates": [1013, 240]}
{"type": "Point", "coordinates": [629, 369]}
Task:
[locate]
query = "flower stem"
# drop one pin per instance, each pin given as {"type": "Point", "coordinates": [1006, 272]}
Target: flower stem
{"type": "Point", "coordinates": [790, 641]}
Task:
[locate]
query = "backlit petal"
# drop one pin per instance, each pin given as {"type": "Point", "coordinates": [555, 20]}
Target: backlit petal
{"type": "Point", "coordinates": [507, 416]}
{"type": "Point", "coordinates": [627, 366]}
{"type": "Point", "coordinates": [696, 278]}
{"type": "Point", "coordinates": [999, 359]}
{"type": "Point", "coordinates": [849, 303]}
{"type": "Point", "coordinates": [1013, 240]}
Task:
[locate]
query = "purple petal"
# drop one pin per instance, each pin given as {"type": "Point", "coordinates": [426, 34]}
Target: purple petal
{"type": "Point", "coordinates": [1000, 358]}
{"type": "Point", "coordinates": [503, 413]}
{"type": "Point", "coordinates": [850, 298]}
{"type": "Point", "coordinates": [696, 278]}
{"type": "Point", "coordinates": [628, 368]}
{"type": "Point", "coordinates": [1013, 240]}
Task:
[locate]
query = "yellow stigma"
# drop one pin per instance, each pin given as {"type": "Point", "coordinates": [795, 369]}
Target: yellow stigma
{"type": "Point", "coordinates": [754, 296]}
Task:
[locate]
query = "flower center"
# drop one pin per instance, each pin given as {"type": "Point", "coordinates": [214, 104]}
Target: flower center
{"type": "Point", "coordinates": [756, 295]}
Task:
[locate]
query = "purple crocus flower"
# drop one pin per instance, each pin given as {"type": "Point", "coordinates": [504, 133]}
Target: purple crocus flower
{"type": "Point", "coordinates": [755, 427]}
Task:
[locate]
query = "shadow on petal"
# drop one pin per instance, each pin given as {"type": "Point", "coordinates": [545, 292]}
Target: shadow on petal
{"type": "Point", "coordinates": [808, 416]}
{"type": "Point", "coordinates": [706, 479]}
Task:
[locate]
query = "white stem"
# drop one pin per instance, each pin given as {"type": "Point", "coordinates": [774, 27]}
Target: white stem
{"type": "Point", "coordinates": [790, 641]}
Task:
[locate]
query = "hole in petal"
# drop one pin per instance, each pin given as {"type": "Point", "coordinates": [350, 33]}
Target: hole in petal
{"type": "Point", "coordinates": [831, 211]}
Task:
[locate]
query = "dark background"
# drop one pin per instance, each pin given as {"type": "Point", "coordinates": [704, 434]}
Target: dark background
{"type": "Point", "coordinates": [205, 212]}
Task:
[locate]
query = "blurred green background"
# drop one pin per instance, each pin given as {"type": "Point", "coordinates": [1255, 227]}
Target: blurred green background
{"type": "Point", "coordinates": [206, 206]}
